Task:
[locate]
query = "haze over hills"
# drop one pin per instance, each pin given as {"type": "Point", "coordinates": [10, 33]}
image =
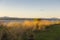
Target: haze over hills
{"type": "Point", "coordinates": [16, 18]}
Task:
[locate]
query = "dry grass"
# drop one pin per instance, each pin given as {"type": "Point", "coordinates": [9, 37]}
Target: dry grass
{"type": "Point", "coordinates": [17, 30]}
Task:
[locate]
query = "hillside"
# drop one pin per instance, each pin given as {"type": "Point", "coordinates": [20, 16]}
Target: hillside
{"type": "Point", "coordinates": [15, 18]}
{"type": "Point", "coordinates": [53, 33]}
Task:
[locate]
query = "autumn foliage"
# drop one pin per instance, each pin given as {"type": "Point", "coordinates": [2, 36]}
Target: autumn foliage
{"type": "Point", "coordinates": [21, 30]}
{"type": "Point", "coordinates": [30, 24]}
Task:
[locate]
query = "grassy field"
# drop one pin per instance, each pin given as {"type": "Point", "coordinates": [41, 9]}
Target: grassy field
{"type": "Point", "coordinates": [50, 33]}
{"type": "Point", "coordinates": [53, 33]}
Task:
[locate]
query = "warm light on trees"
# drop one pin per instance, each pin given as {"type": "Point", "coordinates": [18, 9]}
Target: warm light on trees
{"type": "Point", "coordinates": [27, 24]}
{"type": "Point", "coordinates": [57, 22]}
{"type": "Point", "coordinates": [44, 23]}
{"type": "Point", "coordinates": [14, 24]}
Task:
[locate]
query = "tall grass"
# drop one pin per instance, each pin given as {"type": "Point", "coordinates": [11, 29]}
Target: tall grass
{"type": "Point", "coordinates": [41, 30]}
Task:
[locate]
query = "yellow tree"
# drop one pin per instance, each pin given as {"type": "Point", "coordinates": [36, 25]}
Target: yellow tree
{"type": "Point", "coordinates": [36, 22]}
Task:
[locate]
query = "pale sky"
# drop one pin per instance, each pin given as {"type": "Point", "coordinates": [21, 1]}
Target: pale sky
{"type": "Point", "coordinates": [30, 8]}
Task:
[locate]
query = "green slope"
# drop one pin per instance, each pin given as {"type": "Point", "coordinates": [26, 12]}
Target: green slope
{"type": "Point", "coordinates": [52, 34]}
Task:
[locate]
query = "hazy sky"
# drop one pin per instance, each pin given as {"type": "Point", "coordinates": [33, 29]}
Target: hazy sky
{"type": "Point", "coordinates": [30, 8]}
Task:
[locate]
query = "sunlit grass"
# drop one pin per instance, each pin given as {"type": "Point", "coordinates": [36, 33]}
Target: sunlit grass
{"type": "Point", "coordinates": [21, 31]}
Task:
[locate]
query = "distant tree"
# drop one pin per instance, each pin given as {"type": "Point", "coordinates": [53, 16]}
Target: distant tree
{"type": "Point", "coordinates": [37, 23]}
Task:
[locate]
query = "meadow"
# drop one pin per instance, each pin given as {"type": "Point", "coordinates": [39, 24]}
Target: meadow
{"type": "Point", "coordinates": [30, 30]}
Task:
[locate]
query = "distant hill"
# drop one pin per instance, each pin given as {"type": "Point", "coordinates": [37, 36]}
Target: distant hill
{"type": "Point", "coordinates": [9, 18]}
{"type": "Point", "coordinates": [14, 18]}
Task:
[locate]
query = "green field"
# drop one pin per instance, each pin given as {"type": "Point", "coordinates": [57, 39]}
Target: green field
{"type": "Point", "coordinates": [51, 33]}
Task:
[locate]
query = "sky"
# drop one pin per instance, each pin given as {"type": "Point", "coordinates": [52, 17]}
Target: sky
{"type": "Point", "coordinates": [30, 8]}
